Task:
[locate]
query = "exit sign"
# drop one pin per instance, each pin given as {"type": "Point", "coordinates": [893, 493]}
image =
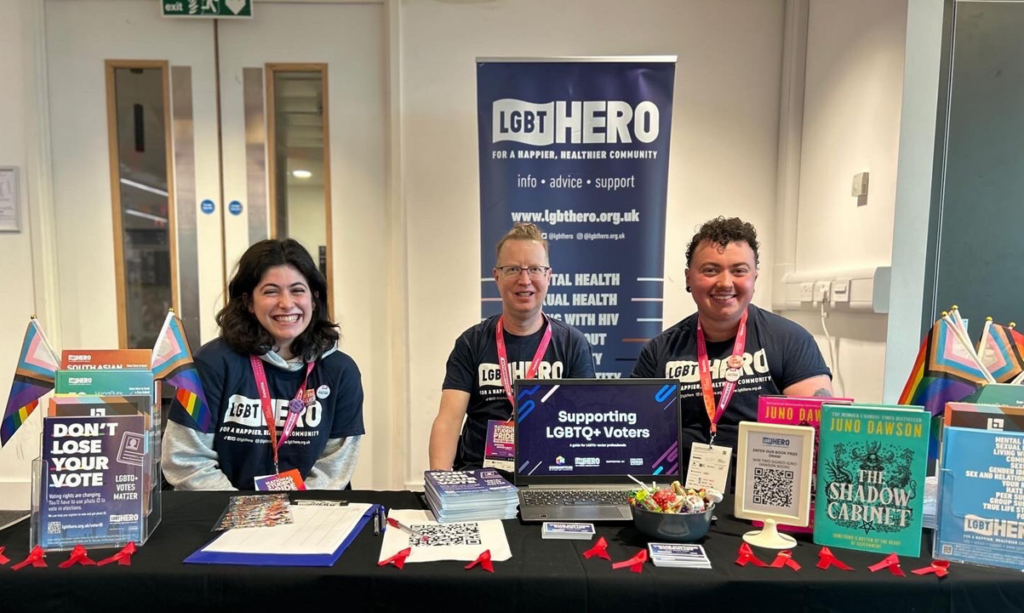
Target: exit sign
{"type": "Point", "coordinates": [209, 9]}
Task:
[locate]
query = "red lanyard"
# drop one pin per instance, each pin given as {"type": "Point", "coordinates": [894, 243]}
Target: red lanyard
{"type": "Point", "coordinates": [506, 376]}
{"type": "Point", "coordinates": [734, 369]}
{"type": "Point", "coordinates": [295, 407]}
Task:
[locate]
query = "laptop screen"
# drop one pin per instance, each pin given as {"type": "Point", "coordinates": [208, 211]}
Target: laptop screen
{"type": "Point", "coordinates": [596, 430]}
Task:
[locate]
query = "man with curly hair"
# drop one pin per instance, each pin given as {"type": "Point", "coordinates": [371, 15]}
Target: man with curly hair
{"type": "Point", "coordinates": [746, 352]}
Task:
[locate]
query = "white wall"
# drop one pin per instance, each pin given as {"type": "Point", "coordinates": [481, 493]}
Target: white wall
{"type": "Point", "coordinates": [723, 154]}
{"type": "Point", "coordinates": [16, 276]}
{"type": "Point", "coordinates": [914, 191]}
{"type": "Point", "coordinates": [852, 101]}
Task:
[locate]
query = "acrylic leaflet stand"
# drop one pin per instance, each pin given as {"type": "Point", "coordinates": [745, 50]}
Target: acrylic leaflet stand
{"type": "Point", "coordinates": [97, 481]}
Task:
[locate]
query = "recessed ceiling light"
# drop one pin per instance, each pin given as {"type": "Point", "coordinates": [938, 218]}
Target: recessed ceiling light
{"type": "Point", "coordinates": [301, 174]}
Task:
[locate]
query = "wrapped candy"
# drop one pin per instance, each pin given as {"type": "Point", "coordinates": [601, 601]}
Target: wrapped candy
{"type": "Point", "coordinates": [694, 504]}
{"type": "Point", "coordinates": [675, 499]}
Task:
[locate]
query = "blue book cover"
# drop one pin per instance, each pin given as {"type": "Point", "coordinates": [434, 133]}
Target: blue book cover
{"type": "Point", "coordinates": [981, 498]}
{"type": "Point", "coordinates": [92, 490]}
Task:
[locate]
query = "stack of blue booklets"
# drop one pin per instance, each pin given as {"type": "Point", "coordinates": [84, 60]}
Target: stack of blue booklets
{"type": "Point", "coordinates": [470, 495]}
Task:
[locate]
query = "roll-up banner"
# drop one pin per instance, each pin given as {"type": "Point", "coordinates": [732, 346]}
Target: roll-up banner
{"type": "Point", "coordinates": [579, 146]}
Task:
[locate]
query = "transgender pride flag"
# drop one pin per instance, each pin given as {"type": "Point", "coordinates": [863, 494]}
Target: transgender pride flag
{"type": "Point", "coordinates": [172, 362]}
{"type": "Point", "coordinates": [943, 372]}
{"type": "Point", "coordinates": [33, 378]}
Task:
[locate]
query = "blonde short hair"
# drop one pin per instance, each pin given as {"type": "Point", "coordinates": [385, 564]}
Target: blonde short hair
{"type": "Point", "coordinates": [522, 232]}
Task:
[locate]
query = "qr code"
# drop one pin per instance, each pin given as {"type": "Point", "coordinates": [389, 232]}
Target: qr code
{"type": "Point", "coordinates": [439, 535]}
{"type": "Point", "coordinates": [947, 550]}
{"type": "Point", "coordinates": [53, 527]}
{"type": "Point", "coordinates": [773, 487]}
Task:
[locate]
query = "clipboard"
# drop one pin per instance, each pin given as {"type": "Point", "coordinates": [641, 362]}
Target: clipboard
{"type": "Point", "coordinates": [202, 556]}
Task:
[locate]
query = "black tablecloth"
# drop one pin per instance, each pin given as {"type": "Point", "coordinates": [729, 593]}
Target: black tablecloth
{"type": "Point", "coordinates": [542, 575]}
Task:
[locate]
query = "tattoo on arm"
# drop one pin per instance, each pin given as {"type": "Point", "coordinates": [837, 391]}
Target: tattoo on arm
{"type": "Point", "coordinates": [822, 392]}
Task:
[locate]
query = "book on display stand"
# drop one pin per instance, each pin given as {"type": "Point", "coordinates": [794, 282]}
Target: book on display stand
{"type": "Point", "coordinates": [871, 478]}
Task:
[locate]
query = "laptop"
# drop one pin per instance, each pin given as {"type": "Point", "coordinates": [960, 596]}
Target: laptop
{"type": "Point", "coordinates": [577, 440]}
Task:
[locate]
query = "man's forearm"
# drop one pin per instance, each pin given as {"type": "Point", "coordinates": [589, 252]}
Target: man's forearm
{"type": "Point", "coordinates": [443, 441]}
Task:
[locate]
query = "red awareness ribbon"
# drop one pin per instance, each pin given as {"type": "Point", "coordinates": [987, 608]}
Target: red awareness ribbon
{"type": "Point", "coordinates": [747, 555]}
{"type": "Point", "coordinates": [600, 549]}
{"type": "Point", "coordinates": [892, 562]}
{"type": "Point", "coordinates": [484, 561]}
{"type": "Point", "coordinates": [35, 558]}
{"type": "Point", "coordinates": [635, 564]}
{"type": "Point", "coordinates": [123, 557]}
{"type": "Point", "coordinates": [398, 559]}
{"type": "Point", "coordinates": [785, 558]}
{"type": "Point", "coordinates": [79, 555]}
{"type": "Point", "coordinates": [939, 567]}
{"type": "Point", "coordinates": [827, 559]}
{"type": "Point", "coordinates": [3, 559]}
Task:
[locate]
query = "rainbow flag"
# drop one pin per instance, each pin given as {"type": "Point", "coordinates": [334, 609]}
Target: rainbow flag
{"type": "Point", "coordinates": [943, 372]}
{"type": "Point", "coordinates": [33, 378]}
{"type": "Point", "coordinates": [1001, 350]}
{"type": "Point", "coordinates": [172, 362]}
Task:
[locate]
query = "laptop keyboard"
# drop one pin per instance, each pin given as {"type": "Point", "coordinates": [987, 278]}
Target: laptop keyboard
{"type": "Point", "coordinates": [570, 497]}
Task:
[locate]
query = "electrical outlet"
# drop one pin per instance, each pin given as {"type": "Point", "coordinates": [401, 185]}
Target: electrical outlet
{"type": "Point", "coordinates": [841, 291]}
{"type": "Point", "coordinates": [806, 292]}
{"type": "Point", "coordinates": [821, 289]}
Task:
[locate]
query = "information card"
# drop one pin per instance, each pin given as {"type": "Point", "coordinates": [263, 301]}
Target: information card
{"type": "Point", "coordinates": [92, 486]}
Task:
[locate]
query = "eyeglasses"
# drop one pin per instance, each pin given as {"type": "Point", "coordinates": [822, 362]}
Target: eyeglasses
{"type": "Point", "coordinates": [535, 272]}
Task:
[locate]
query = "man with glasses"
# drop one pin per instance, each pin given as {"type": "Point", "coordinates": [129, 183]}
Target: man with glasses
{"type": "Point", "coordinates": [521, 343]}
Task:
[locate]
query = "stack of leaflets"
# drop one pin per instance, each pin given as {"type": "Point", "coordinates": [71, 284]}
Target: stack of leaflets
{"type": "Point", "coordinates": [931, 502]}
{"type": "Point", "coordinates": [678, 555]}
{"type": "Point", "coordinates": [470, 495]}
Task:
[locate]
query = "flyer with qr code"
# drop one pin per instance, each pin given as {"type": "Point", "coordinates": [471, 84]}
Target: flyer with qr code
{"type": "Point", "coordinates": [773, 472]}
{"type": "Point", "coordinates": [92, 481]}
{"type": "Point", "coordinates": [452, 541]}
{"type": "Point", "coordinates": [981, 498]}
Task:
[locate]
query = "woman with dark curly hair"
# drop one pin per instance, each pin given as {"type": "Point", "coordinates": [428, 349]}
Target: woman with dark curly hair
{"type": "Point", "coordinates": [748, 352]}
{"type": "Point", "coordinates": [277, 362]}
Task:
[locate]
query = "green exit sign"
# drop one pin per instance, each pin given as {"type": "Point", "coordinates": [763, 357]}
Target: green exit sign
{"type": "Point", "coordinates": [209, 9]}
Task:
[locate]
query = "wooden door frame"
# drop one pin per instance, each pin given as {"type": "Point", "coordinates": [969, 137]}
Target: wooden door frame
{"type": "Point", "coordinates": [115, 186]}
{"type": "Point", "coordinates": [269, 70]}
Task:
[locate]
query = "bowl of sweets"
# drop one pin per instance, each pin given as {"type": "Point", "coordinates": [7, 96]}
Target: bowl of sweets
{"type": "Point", "coordinates": [675, 514]}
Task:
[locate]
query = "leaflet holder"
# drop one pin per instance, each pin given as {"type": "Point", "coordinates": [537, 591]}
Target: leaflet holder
{"type": "Point", "coordinates": [97, 480]}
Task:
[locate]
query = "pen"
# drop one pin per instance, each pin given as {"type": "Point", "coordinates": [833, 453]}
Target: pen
{"type": "Point", "coordinates": [376, 524]}
{"type": "Point", "coordinates": [406, 529]}
{"type": "Point", "coordinates": [381, 517]}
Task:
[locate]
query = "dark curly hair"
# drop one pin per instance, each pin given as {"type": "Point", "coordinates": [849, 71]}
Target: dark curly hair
{"type": "Point", "coordinates": [722, 231]}
{"type": "Point", "coordinates": [240, 328]}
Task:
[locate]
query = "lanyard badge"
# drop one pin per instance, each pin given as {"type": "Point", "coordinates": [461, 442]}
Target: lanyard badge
{"type": "Point", "coordinates": [506, 376]}
{"type": "Point", "coordinates": [296, 405]}
{"type": "Point", "coordinates": [734, 369]}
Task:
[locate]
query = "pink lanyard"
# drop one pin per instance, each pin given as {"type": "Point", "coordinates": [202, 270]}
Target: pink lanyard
{"type": "Point", "coordinates": [734, 365]}
{"type": "Point", "coordinates": [506, 376]}
{"type": "Point", "coordinates": [295, 407]}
